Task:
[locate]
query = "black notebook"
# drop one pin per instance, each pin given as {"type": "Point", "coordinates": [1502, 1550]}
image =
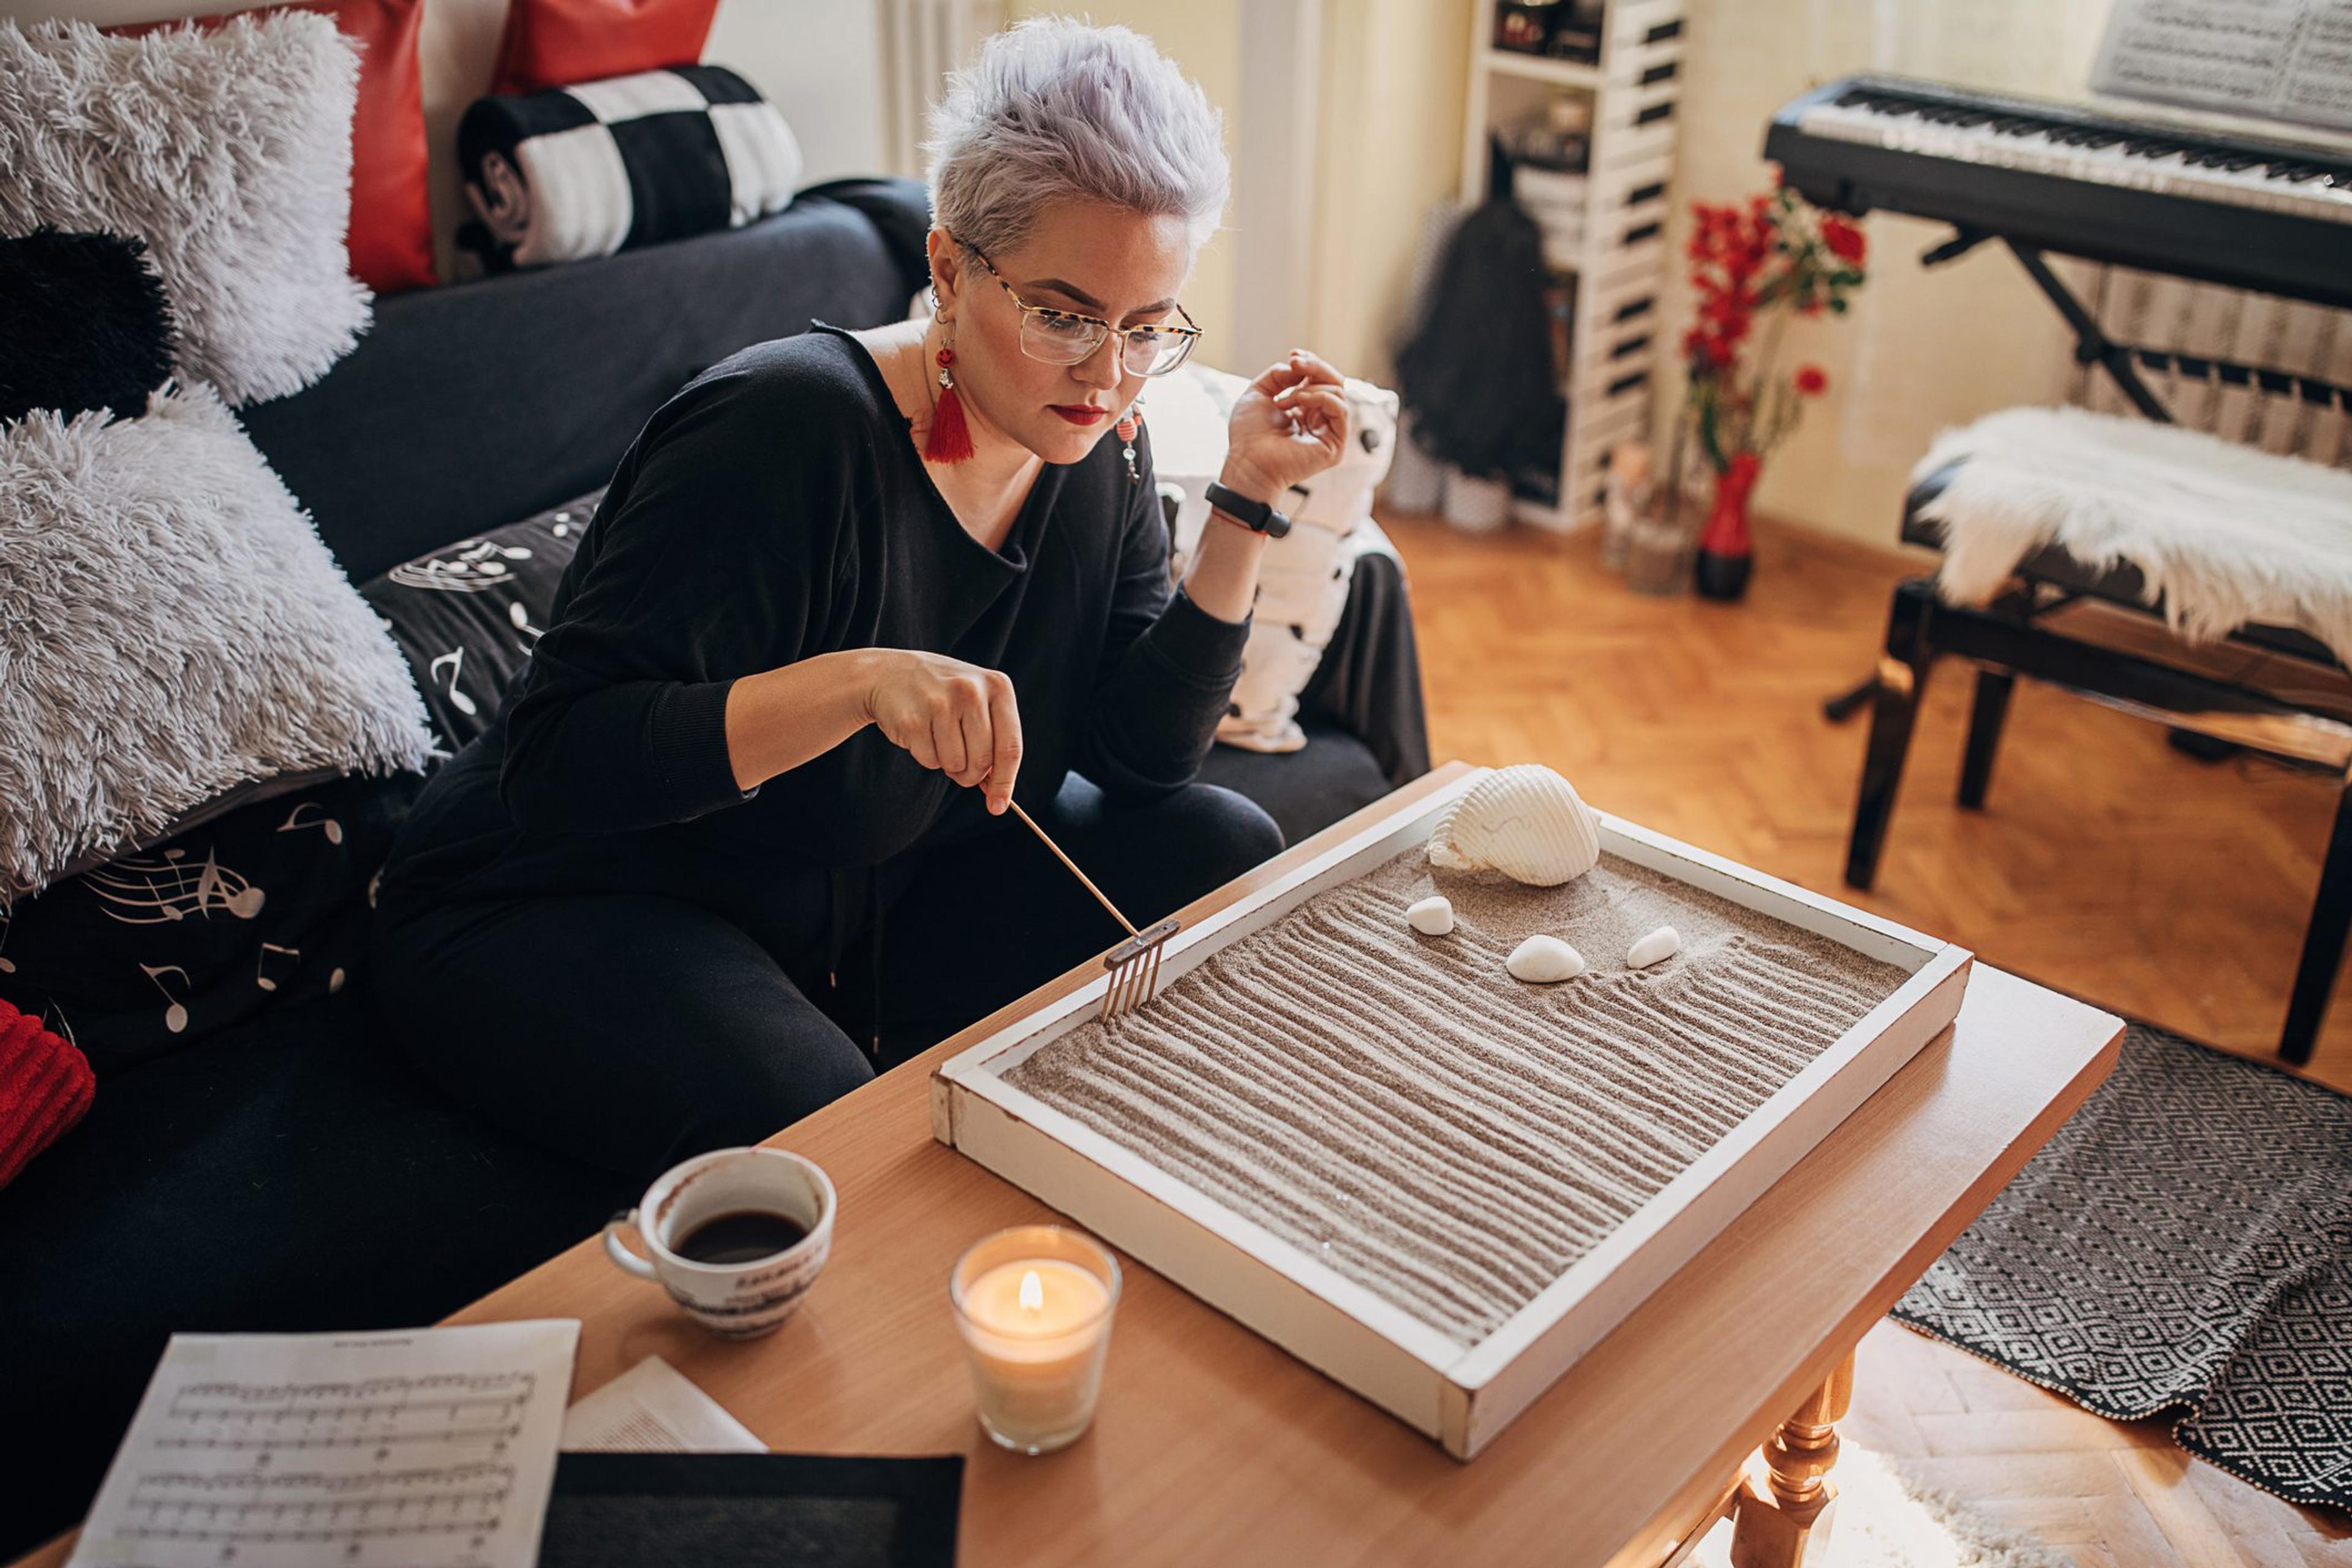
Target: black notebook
{"type": "Point", "coordinates": [778, 1511]}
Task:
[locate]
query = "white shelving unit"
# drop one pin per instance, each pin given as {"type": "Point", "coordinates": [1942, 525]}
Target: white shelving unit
{"type": "Point", "coordinates": [1621, 265]}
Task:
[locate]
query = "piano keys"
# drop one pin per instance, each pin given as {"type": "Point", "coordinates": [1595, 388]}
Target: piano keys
{"type": "Point", "coordinates": [2275, 216]}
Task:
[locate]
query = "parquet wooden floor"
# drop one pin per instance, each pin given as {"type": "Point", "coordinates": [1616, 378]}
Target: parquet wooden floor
{"type": "Point", "coordinates": [2105, 864]}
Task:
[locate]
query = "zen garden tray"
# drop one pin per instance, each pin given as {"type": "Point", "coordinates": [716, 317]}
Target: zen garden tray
{"type": "Point", "coordinates": [1434, 1182]}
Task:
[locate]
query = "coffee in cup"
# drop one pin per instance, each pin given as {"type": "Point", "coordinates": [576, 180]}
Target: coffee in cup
{"type": "Point", "coordinates": [736, 1237]}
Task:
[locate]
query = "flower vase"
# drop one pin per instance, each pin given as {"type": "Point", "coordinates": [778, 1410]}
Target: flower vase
{"type": "Point", "coordinates": [1725, 554]}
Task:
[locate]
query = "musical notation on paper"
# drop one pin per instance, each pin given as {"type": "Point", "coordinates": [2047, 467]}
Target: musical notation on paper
{"type": "Point", "coordinates": [428, 1449]}
{"type": "Point", "coordinates": [2274, 59]}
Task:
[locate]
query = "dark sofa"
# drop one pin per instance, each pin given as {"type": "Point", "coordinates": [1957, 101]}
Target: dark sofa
{"type": "Point", "coordinates": [292, 1173]}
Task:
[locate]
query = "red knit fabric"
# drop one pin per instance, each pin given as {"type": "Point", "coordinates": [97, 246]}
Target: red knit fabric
{"type": "Point", "coordinates": [45, 1086]}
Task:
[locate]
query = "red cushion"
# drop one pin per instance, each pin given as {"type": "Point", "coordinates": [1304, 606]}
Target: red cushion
{"type": "Point", "coordinates": [391, 232]}
{"type": "Point", "coordinates": [45, 1087]}
{"type": "Point", "coordinates": [556, 43]}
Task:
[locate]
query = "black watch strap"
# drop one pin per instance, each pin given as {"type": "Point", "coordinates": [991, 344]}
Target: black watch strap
{"type": "Point", "coordinates": [1251, 515]}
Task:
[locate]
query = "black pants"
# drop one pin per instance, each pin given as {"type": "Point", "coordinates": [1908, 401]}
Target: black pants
{"type": "Point", "coordinates": [632, 1030]}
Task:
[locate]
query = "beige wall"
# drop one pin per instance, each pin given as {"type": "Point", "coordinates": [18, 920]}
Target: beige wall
{"type": "Point", "coordinates": [816, 59]}
{"type": "Point", "coordinates": [1395, 75]}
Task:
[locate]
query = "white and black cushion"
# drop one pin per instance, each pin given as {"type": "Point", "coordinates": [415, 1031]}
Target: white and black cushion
{"type": "Point", "coordinates": [585, 171]}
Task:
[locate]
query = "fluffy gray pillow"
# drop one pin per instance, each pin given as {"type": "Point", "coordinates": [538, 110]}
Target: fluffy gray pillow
{"type": "Point", "coordinates": [228, 152]}
{"type": "Point", "coordinates": [171, 628]}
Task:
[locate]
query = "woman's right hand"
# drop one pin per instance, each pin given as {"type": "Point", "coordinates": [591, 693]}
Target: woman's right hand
{"type": "Point", "coordinates": [949, 715]}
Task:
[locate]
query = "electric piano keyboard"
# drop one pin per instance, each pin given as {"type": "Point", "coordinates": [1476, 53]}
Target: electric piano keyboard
{"type": "Point", "coordinates": [2275, 216]}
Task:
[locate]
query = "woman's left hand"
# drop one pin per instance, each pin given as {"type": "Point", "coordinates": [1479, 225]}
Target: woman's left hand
{"type": "Point", "coordinates": [1288, 424]}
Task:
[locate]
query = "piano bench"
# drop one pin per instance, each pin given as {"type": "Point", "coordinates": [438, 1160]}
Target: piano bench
{"type": "Point", "coordinates": [2271, 690]}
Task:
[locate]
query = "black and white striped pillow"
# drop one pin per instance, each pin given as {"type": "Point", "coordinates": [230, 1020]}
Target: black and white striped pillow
{"type": "Point", "coordinates": [585, 171]}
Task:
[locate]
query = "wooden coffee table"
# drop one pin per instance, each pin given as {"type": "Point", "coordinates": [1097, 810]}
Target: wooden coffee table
{"type": "Point", "coordinates": [1212, 1446]}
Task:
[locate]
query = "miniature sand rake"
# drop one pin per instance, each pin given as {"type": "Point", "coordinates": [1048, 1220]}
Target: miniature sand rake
{"type": "Point", "coordinates": [1134, 964]}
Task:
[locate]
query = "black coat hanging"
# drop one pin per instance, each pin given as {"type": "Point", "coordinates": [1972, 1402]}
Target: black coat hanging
{"type": "Point", "coordinates": [1477, 372]}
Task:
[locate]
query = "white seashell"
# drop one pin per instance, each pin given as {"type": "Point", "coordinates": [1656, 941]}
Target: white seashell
{"type": "Point", "coordinates": [1655, 948]}
{"type": "Point", "coordinates": [1432, 916]}
{"type": "Point", "coordinates": [1540, 960]}
{"type": "Point", "coordinates": [1525, 822]}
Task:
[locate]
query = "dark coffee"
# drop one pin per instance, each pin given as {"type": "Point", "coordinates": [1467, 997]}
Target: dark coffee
{"type": "Point", "coordinates": [741, 1236]}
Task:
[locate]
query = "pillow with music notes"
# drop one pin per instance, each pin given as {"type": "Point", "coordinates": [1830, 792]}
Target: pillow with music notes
{"type": "Point", "coordinates": [467, 614]}
{"type": "Point", "coordinates": [261, 907]}
{"type": "Point", "coordinates": [172, 629]}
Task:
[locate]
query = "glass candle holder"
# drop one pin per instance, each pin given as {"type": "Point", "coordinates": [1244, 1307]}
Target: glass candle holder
{"type": "Point", "coordinates": [1033, 1305]}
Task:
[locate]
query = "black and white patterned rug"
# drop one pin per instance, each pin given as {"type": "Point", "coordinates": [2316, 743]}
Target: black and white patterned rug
{"type": "Point", "coordinates": [2183, 1246]}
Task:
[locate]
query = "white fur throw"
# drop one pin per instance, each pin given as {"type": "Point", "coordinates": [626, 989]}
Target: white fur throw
{"type": "Point", "coordinates": [228, 152]}
{"type": "Point", "coordinates": [171, 628]}
{"type": "Point", "coordinates": [2224, 534]}
{"type": "Point", "coordinates": [1302, 577]}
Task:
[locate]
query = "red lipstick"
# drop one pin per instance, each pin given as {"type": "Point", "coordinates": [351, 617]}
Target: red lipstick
{"type": "Point", "coordinates": [1079, 413]}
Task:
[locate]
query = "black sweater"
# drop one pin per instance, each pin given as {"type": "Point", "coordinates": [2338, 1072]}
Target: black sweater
{"type": "Point", "coordinates": [776, 509]}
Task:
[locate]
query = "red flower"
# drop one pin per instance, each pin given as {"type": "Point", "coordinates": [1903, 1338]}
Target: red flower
{"type": "Point", "coordinates": [1812, 381]}
{"type": "Point", "coordinates": [1844, 240]}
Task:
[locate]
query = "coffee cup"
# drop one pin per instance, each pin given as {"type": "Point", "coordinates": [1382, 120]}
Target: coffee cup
{"type": "Point", "coordinates": [736, 1237]}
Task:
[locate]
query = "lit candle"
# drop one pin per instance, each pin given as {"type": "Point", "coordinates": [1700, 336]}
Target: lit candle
{"type": "Point", "coordinates": [1035, 1307]}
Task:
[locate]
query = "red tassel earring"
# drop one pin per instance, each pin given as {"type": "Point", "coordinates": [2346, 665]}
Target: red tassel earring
{"type": "Point", "coordinates": [949, 440]}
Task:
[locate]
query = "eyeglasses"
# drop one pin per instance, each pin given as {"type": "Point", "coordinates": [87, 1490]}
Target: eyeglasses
{"type": "Point", "coordinates": [1065, 337]}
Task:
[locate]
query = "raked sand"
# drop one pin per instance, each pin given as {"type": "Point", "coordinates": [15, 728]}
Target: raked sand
{"type": "Point", "coordinates": [1443, 1135]}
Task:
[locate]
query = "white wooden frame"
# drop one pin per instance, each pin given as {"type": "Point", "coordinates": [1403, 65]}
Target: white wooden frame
{"type": "Point", "coordinates": [1463, 1398]}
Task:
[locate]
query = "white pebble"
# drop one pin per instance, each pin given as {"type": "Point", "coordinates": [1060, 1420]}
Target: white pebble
{"type": "Point", "coordinates": [1541, 960]}
{"type": "Point", "coordinates": [1655, 948]}
{"type": "Point", "coordinates": [1432, 916]}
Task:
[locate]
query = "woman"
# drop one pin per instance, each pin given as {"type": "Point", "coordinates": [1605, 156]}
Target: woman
{"type": "Point", "coordinates": [751, 792]}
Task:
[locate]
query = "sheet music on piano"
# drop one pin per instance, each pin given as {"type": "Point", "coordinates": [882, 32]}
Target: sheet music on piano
{"type": "Point", "coordinates": [427, 1449]}
{"type": "Point", "coordinates": [2274, 59]}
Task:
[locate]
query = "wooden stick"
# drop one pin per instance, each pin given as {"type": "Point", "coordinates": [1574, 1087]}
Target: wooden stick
{"type": "Point", "coordinates": [1048, 840]}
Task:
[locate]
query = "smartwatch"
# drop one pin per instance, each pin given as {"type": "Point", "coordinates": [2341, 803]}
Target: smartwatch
{"type": "Point", "coordinates": [1254, 515]}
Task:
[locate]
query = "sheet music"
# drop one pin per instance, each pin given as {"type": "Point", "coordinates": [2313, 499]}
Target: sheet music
{"type": "Point", "coordinates": [652, 1408]}
{"type": "Point", "coordinates": [428, 1449]}
{"type": "Point", "coordinates": [2275, 59]}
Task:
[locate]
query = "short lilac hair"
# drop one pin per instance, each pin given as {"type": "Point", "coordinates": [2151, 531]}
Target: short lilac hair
{"type": "Point", "coordinates": [1056, 109]}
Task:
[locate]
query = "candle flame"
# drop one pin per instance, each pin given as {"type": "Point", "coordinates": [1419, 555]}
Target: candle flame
{"type": "Point", "coordinates": [1033, 1292]}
